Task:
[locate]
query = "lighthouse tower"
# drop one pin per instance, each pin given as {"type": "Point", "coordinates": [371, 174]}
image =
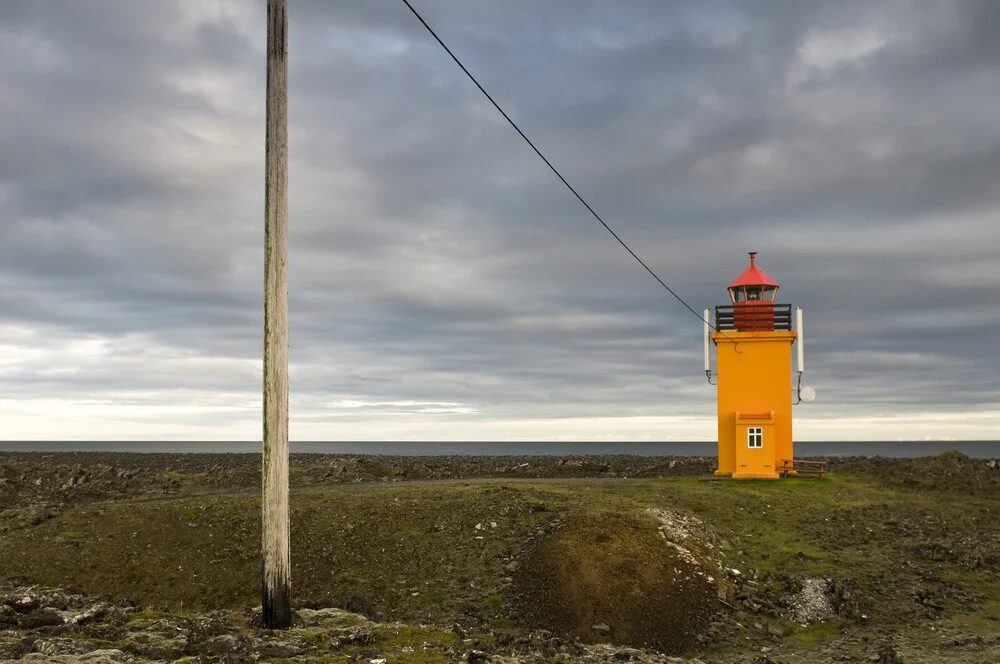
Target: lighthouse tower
{"type": "Point", "coordinates": [753, 339]}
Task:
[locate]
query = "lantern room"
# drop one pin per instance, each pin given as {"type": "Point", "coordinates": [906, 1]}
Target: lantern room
{"type": "Point", "coordinates": [753, 285]}
{"type": "Point", "coordinates": [752, 295]}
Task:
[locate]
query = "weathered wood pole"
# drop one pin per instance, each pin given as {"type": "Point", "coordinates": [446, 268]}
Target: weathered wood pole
{"type": "Point", "coordinates": [276, 573]}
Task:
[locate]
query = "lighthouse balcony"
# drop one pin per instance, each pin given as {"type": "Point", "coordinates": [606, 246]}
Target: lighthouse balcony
{"type": "Point", "coordinates": [753, 316]}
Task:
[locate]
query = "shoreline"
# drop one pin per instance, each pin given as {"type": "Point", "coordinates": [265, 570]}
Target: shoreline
{"type": "Point", "coordinates": [983, 449]}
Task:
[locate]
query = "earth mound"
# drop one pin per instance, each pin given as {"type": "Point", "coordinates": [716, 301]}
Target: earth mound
{"type": "Point", "coordinates": [612, 578]}
{"type": "Point", "coordinates": [947, 472]}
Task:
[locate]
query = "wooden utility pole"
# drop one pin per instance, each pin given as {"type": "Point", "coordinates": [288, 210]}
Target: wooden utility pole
{"type": "Point", "coordinates": [276, 579]}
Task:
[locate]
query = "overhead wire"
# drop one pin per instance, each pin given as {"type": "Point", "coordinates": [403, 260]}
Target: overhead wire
{"type": "Point", "coordinates": [553, 168]}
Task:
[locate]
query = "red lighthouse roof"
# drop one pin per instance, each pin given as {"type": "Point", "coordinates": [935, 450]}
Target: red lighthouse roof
{"type": "Point", "coordinates": [753, 276]}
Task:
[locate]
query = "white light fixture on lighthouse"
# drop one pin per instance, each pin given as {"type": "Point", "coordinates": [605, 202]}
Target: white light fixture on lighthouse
{"type": "Point", "coordinates": [804, 394]}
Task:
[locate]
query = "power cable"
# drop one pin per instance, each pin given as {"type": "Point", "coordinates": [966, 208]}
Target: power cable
{"type": "Point", "coordinates": [551, 167]}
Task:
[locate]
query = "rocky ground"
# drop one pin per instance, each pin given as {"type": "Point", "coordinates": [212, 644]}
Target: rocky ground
{"type": "Point", "coordinates": [79, 477]}
{"type": "Point", "coordinates": [154, 557]}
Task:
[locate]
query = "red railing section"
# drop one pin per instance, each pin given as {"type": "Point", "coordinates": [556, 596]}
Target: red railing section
{"type": "Point", "coordinates": [753, 316]}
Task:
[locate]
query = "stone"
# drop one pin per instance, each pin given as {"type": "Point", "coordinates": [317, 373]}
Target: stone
{"type": "Point", "coordinates": [222, 645]}
{"type": "Point", "coordinates": [355, 635]}
{"type": "Point", "coordinates": [326, 617]}
{"type": "Point", "coordinates": [61, 646]}
{"type": "Point", "coordinates": [93, 614]}
{"type": "Point", "coordinates": [278, 650]}
{"type": "Point", "coordinates": [41, 618]}
{"type": "Point", "coordinates": [888, 655]}
{"type": "Point", "coordinates": [107, 656]}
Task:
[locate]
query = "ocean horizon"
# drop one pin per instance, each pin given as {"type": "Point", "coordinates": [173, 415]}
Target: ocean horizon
{"type": "Point", "coordinates": [980, 449]}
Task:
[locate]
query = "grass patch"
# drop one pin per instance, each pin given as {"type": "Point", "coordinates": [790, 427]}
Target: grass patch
{"type": "Point", "coordinates": [813, 635]}
{"type": "Point", "coordinates": [409, 644]}
{"type": "Point", "coordinates": [317, 639]}
{"type": "Point", "coordinates": [414, 636]}
{"type": "Point", "coordinates": [154, 615]}
{"type": "Point", "coordinates": [985, 617]}
{"type": "Point", "coordinates": [181, 475]}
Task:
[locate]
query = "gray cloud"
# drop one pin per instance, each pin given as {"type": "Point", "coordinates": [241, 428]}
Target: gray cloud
{"type": "Point", "coordinates": [435, 260]}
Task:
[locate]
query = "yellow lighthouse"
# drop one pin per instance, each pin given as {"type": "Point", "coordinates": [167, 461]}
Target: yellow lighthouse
{"type": "Point", "coordinates": [753, 338]}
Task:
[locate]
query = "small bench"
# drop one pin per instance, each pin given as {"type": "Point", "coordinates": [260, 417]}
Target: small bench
{"type": "Point", "coordinates": [802, 467]}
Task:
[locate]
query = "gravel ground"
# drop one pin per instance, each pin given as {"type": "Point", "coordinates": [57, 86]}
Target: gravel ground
{"type": "Point", "coordinates": [911, 544]}
{"type": "Point", "coordinates": [32, 478]}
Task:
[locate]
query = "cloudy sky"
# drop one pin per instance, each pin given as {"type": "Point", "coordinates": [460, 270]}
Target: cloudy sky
{"type": "Point", "coordinates": [443, 284]}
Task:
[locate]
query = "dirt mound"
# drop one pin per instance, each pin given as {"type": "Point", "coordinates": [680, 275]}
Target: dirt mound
{"type": "Point", "coordinates": [612, 578]}
{"type": "Point", "coordinates": [949, 471]}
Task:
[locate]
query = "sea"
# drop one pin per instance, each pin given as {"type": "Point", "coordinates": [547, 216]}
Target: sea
{"type": "Point", "coordinates": [978, 449]}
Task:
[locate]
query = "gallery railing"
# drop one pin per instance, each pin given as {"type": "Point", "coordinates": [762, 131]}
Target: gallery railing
{"type": "Point", "coordinates": [753, 316]}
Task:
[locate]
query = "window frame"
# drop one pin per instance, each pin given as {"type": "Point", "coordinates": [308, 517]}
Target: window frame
{"type": "Point", "coordinates": [755, 435]}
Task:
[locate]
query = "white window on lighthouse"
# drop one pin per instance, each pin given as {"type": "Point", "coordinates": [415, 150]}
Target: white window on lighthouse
{"type": "Point", "coordinates": [755, 437]}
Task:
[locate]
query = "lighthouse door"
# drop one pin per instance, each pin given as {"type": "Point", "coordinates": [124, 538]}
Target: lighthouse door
{"type": "Point", "coordinates": [755, 445]}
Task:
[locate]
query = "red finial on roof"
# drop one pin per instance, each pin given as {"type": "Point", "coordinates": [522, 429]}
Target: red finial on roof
{"type": "Point", "coordinates": [753, 255]}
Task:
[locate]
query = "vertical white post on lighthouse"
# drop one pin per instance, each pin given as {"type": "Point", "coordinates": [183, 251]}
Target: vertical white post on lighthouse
{"type": "Point", "coordinates": [276, 571]}
{"type": "Point", "coordinates": [800, 360]}
{"type": "Point", "coordinates": [708, 354]}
